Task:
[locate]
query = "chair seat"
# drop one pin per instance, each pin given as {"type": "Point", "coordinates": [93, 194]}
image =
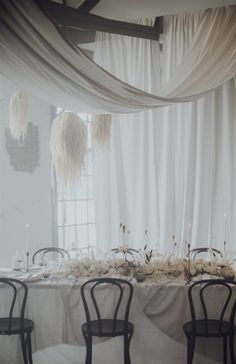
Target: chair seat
{"type": "Point", "coordinates": [15, 327]}
{"type": "Point", "coordinates": [214, 328]}
{"type": "Point", "coordinates": [107, 328]}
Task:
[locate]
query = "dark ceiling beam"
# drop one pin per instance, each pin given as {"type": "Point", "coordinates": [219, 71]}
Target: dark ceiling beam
{"type": "Point", "coordinates": [79, 36]}
{"type": "Point", "coordinates": [88, 5]}
{"type": "Point", "coordinates": [72, 18]}
{"type": "Point", "coordinates": [159, 24]}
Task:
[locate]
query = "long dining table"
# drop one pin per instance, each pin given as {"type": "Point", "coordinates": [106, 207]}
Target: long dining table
{"type": "Point", "coordinates": [158, 311]}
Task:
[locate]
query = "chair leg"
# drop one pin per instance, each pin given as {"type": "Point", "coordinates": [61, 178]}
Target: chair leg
{"type": "Point", "coordinates": [126, 350]}
{"type": "Point", "coordinates": [127, 339]}
{"type": "Point", "coordinates": [190, 349]}
{"type": "Point", "coordinates": [88, 342]}
{"type": "Point", "coordinates": [23, 348]}
{"type": "Point", "coordinates": [29, 348]}
{"type": "Point", "coordinates": [225, 338]}
{"type": "Point", "coordinates": [231, 347]}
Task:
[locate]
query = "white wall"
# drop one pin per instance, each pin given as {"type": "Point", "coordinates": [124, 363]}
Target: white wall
{"type": "Point", "coordinates": [25, 198]}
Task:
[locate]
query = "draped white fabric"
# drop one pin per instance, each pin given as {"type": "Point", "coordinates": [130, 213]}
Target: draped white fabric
{"type": "Point", "coordinates": [168, 167]}
{"type": "Point", "coordinates": [35, 56]}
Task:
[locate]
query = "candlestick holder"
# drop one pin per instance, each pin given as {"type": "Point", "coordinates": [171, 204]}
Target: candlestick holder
{"type": "Point", "coordinates": [173, 247]}
{"type": "Point", "coordinates": [225, 244]}
{"type": "Point", "coordinates": [27, 261]}
{"type": "Point", "coordinates": [187, 273]}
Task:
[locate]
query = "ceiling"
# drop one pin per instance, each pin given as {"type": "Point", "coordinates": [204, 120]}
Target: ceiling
{"type": "Point", "coordinates": [133, 9]}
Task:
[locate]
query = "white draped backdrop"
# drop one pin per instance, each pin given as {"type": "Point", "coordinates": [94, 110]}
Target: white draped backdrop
{"type": "Point", "coordinates": [167, 167]}
{"type": "Point", "coordinates": [171, 166]}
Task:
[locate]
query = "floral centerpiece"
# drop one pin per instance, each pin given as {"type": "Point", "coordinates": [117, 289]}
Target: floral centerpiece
{"type": "Point", "coordinates": [148, 264]}
{"type": "Point", "coordinates": [156, 268]}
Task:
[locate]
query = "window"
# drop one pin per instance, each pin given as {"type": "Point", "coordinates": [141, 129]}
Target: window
{"type": "Point", "coordinates": [75, 206]}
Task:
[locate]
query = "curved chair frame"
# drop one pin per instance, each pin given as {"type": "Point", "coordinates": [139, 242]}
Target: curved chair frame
{"type": "Point", "coordinates": [107, 327]}
{"type": "Point", "coordinates": [207, 327]}
{"type": "Point", "coordinates": [42, 252]}
{"type": "Point", "coordinates": [194, 252]}
{"type": "Point", "coordinates": [18, 325]}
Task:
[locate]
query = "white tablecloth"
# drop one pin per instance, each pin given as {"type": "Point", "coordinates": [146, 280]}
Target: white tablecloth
{"type": "Point", "coordinates": [158, 312]}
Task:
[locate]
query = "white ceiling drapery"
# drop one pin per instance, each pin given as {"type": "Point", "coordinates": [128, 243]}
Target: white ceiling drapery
{"type": "Point", "coordinates": [36, 56]}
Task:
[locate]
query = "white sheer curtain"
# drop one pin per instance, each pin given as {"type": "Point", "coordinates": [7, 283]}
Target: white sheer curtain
{"type": "Point", "coordinates": [172, 166]}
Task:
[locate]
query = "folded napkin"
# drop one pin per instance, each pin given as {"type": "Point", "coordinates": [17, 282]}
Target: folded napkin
{"type": "Point", "coordinates": [29, 276]}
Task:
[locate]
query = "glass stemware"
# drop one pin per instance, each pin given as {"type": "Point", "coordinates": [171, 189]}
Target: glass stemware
{"type": "Point", "coordinates": [46, 269]}
{"type": "Point", "coordinates": [17, 261]}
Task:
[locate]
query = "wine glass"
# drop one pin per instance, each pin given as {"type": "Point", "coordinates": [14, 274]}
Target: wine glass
{"type": "Point", "coordinates": [46, 272]}
{"type": "Point", "coordinates": [46, 268]}
{"type": "Point", "coordinates": [17, 261]}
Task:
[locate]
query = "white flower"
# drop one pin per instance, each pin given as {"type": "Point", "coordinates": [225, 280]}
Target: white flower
{"type": "Point", "coordinates": [210, 268]}
{"type": "Point", "coordinates": [227, 272]}
{"type": "Point", "coordinates": [193, 270]}
{"type": "Point", "coordinates": [147, 269]}
{"type": "Point", "coordinates": [199, 265]}
{"type": "Point", "coordinates": [118, 262]}
{"type": "Point", "coordinates": [112, 272]}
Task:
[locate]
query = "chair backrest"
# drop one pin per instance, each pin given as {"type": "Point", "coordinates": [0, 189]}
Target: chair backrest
{"type": "Point", "coordinates": [15, 287]}
{"type": "Point", "coordinates": [215, 252]}
{"type": "Point", "coordinates": [223, 303]}
{"type": "Point", "coordinates": [40, 254]}
{"type": "Point", "coordinates": [119, 304]}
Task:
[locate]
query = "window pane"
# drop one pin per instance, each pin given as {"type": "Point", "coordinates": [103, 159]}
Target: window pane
{"type": "Point", "coordinates": [60, 237]}
{"type": "Point", "coordinates": [90, 163]}
{"type": "Point", "coordinates": [59, 193]}
{"type": "Point", "coordinates": [91, 215]}
{"type": "Point", "coordinates": [76, 215]}
{"type": "Point", "coordinates": [90, 187]}
{"type": "Point", "coordinates": [59, 213]}
{"type": "Point", "coordinates": [69, 235]}
{"type": "Point", "coordinates": [81, 212]}
{"type": "Point", "coordinates": [89, 141]}
{"type": "Point", "coordinates": [64, 193]}
{"type": "Point", "coordinates": [92, 234]}
{"type": "Point", "coordinates": [69, 213]}
{"type": "Point", "coordinates": [82, 188]}
{"type": "Point", "coordinates": [82, 236]}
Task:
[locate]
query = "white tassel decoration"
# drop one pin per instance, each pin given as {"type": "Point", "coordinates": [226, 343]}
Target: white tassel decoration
{"type": "Point", "coordinates": [68, 147]}
{"type": "Point", "coordinates": [101, 129]}
{"type": "Point", "coordinates": [18, 115]}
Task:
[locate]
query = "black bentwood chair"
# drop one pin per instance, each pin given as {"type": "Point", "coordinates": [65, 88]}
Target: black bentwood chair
{"type": "Point", "coordinates": [195, 252]}
{"type": "Point", "coordinates": [212, 324]}
{"type": "Point", "coordinates": [41, 253]}
{"type": "Point", "coordinates": [118, 322]}
{"type": "Point", "coordinates": [12, 325]}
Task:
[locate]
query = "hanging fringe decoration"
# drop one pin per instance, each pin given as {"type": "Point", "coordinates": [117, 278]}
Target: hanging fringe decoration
{"type": "Point", "coordinates": [101, 129]}
{"type": "Point", "coordinates": [18, 115]}
{"type": "Point", "coordinates": [68, 147]}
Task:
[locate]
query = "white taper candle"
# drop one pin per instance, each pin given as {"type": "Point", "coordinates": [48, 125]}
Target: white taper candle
{"type": "Point", "coordinates": [27, 237]}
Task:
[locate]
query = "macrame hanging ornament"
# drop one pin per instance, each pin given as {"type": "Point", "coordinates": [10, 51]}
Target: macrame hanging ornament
{"type": "Point", "coordinates": [101, 129]}
{"type": "Point", "coordinates": [18, 115]}
{"type": "Point", "coordinates": [68, 147]}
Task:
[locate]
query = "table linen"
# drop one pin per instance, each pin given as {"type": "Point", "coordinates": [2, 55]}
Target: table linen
{"type": "Point", "coordinates": [158, 311]}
